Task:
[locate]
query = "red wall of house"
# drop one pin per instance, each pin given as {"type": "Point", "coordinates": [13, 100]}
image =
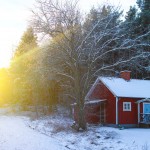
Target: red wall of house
{"type": "Point", "coordinates": [91, 112]}
{"type": "Point", "coordinates": [102, 92]}
{"type": "Point", "coordinates": [128, 117]}
{"type": "Point", "coordinates": [141, 107]}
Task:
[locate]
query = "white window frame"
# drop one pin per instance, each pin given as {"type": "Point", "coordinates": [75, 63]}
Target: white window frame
{"type": "Point", "coordinates": [127, 103]}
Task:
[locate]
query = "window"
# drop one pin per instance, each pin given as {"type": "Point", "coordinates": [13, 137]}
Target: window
{"type": "Point", "coordinates": [126, 106]}
{"type": "Point", "coordinates": [146, 108]}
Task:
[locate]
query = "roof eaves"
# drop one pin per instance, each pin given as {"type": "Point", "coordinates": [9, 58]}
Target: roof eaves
{"type": "Point", "coordinates": [91, 89]}
{"type": "Point", "coordinates": [143, 100]}
{"type": "Point", "coordinates": [131, 97]}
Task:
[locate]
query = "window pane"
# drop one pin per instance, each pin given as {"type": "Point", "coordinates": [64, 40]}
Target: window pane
{"type": "Point", "coordinates": [127, 106]}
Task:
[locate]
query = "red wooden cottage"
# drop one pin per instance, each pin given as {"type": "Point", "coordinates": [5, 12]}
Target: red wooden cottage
{"type": "Point", "coordinates": [118, 101]}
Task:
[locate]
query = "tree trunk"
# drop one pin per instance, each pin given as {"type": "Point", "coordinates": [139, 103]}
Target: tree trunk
{"type": "Point", "coordinates": [81, 118]}
{"type": "Point", "coordinates": [80, 98]}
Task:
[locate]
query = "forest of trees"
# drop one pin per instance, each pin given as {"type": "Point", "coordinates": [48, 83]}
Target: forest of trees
{"type": "Point", "coordinates": [78, 49]}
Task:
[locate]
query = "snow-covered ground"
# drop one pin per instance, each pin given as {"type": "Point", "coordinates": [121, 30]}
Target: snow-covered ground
{"type": "Point", "coordinates": [16, 135]}
{"type": "Point", "coordinates": [96, 138]}
{"type": "Point", "coordinates": [55, 133]}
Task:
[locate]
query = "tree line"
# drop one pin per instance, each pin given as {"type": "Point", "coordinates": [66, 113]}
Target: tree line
{"type": "Point", "coordinates": [78, 49]}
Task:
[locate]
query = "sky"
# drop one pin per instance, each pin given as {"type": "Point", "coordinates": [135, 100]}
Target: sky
{"type": "Point", "coordinates": [14, 17]}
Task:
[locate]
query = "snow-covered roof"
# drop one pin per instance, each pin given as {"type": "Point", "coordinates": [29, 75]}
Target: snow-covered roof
{"type": "Point", "coordinates": [133, 88]}
{"type": "Point", "coordinates": [95, 101]}
{"type": "Point", "coordinates": [143, 100]}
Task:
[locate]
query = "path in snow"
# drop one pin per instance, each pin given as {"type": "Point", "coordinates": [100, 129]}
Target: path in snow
{"type": "Point", "coordinates": [16, 135]}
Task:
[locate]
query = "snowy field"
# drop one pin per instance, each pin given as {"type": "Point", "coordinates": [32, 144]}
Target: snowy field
{"type": "Point", "coordinates": [55, 133]}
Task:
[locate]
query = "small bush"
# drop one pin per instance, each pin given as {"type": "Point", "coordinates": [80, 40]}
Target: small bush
{"type": "Point", "coordinates": [59, 128]}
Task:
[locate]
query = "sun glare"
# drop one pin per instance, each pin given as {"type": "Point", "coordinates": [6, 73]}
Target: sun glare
{"type": "Point", "coordinates": [4, 59]}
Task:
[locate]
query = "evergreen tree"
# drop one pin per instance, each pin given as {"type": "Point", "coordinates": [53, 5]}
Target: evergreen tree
{"type": "Point", "coordinates": [143, 21]}
{"type": "Point", "coordinates": [22, 62]}
{"type": "Point", "coordinates": [130, 24]}
{"type": "Point", "coordinates": [143, 18]}
{"type": "Point", "coordinates": [131, 14]}
{"type": "Point", "coordinates": [137, 24]}
{"type": "Point", "coordinates": [96, 15]}
{"type": "Point", "coordinates": [28, 42]}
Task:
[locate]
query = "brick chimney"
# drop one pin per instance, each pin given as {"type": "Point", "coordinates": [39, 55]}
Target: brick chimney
{"type": "Point", "coordinates": [126, 75]}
